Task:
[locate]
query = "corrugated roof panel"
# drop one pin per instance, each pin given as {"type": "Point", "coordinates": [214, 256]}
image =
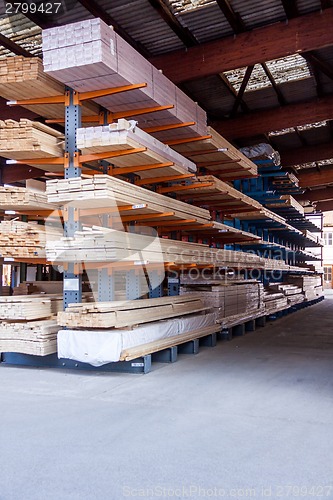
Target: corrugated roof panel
{"type": "Point", "coordinates": [317, 135]}
{"type": "Point", "coordinates": [256, 13]}
{"type": "Point", "coordinates": [299, 90]}
{"type": "Point", "coordinates": [307, 6]}
{"type": "Point", "coordinates": [261, 99]}
{"type": "Point", "coordinates": [206, 24]}
{"type": "Point", "coordinates": [212, 94]}
{"type": "Point", "coordinates": [286, 141]}
{"type": "Point", "coordinates": [22, 31]}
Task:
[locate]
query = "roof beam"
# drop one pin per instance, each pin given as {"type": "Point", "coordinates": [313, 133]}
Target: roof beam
{"type": "Point", "coordinates": [325, 206]}
{"type": "Point", "coordinates": [290, 8]}
{"type": "Point", "coordinates": [233, 18]}
{"type": "Point", "coordinates": [312, 177]}
{"type": "Point", "coordinates": [280, 96]}
{"type": "Point", "coordinates": [183, 34]}
{"type": "Point", "coordinates": [317, 195]}
{"type": "Point", "coordinates": [302, 34]}
{"type": "Point", "coordinates": [14, 47]}
{"type": "Point", "coordinates": [260, 122]}
{"type": "Point", "coordinates": [319, 64]}
{"type": "Point", "coordinates": [97, 11]}
{"type": "Point", "coordinates": [239, 97]}
{"type": "Point", "coordinates": [233, 91]}
{"type": "Point", "coordinates": [308, 154]}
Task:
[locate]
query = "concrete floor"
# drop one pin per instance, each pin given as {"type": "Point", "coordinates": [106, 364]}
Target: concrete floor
{"type": "Point", "coordinates": [249, 414]}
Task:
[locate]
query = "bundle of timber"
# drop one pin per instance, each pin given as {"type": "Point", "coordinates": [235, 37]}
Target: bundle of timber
{"type": "Point", "coordinates": [38, 338]}
{"type": "Point", "coordinates": [21, 307]}
{"type": "Point", "coordinates": [33, 287]}
{"type": "Point", "coordinates": [120, 314]}
{"type": "Point", "coordinates": [100, 244]}
{"type": "Point", "coordinates": [90, 55]}
{"type": "Point", "coordinates": [23, 78]}
{"type": "Point", "coordinates": [218, 156]}
{"type": "Point", "coordinates": [5, 290]}
{"type": "Point", "coordinates": [317, 240]}
{"type": "Point", "coordinates": [109, 192]}
{"type": "Point", "coordinates": [274, 301]}
{"type": "Point", "coordinates": [292, 292]}
{"type": "Point", "coordinates": [288, 180]}
{"type": "Point", "coordinates": [27, 140]}
{"type": "Point", "coordinates": [311, 285]}
{"type": "Point", "coordinates": [262, 151]}
{"type": "Point", "coordinates": [227, 297]}
{"type": "Point", "coordinates": [20, 198]}
{"type": "Point", "coordinates": [286, 201]}
{"type": "Point", "coordinates": [125, 135]}
{"type": "Point", "coordinates": [25, 239]}
{"type": "Point", "coordinates": [99, 347]}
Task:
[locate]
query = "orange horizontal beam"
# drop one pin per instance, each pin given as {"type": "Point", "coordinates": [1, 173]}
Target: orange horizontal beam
{"type": "Point", "coordinates": [170, 223]}
{"type": "Point", "coordinates": [185, 140]}
{"type": "Point", "coordinates": [171, 126]}
{"type": "Point", "coordinates": [172, 189]}
{"type": "Point", "coordinates": [140, 111]}
{"type": "Point", "coordinates": [166, 178]}
{"type": "Point", "coordinates": [94, 94]}
{"type": "Point", "coordinates": [128, 218]}
{"type": "Point", "coordinates": [138, 168]}
{"type": "Point", "coordinates": [217, 162]}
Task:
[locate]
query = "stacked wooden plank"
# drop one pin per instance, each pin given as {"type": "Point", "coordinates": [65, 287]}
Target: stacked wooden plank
{"type": "Point", "coordinates": [119, 314]}
{"type": "Point", "coordinates": [38, 338]}
{"type": "Point", "coordinates": [218, 157]}
{"type": "Point", "coordinates": [89, 55]}
{"type": "Point", "coordinates": [274, 302]}
{"type": "Point", "coordinates": [25, 239]}
{"type": "Point", "coordinates": [292, 292]}
{"type": "Point", "coordinates": [33, 287]}
{"type": "Point", "coordinates": [109, 192]}
{"type": "Point", "coordinates": [4, 290]}
{"type": "Point", "coordinates": [27, 140]}
{"type": "Point", "coordinates": [23, 78]}
{"type": "Point", "coordinates": [227, 297]}
{"type": "Point", "coordinates": [286, 201]}
{"type": "Point", "coordinates": [125, 135]}
{"type": "Point", "coordinates": [32, 307]}
{"type": "Point", "coordinates": [20, 198]}
{"type": "Point", "coordinates": [311, 285]}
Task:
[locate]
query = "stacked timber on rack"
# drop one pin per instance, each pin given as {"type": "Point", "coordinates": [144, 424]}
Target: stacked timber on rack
{"type": "Point", "coordinates": [27, 140]}
{"type": "Point", "coordinates": [274, 301]}
{"type": "Point", "coordinates": [227, 297]}
{"type": "Point", "coordinates": [292, 292]}
{"type": "Point", "coordinates": [312, 239]}
{"type": "Point", "coordinates": [286, 202]}
{"type": "Point", "coordinates": [27, 324]}
{"type": "Point", "coordinates": [311, 285]}
{"type": "Point", "coordinates": [126, 136]}
{"type": "Point", "coordinates": [23, 78]}
{"type": "Point", "coordinates": [89, 55]}
{"type": "Point", "coordinates": [119, 314]}
{"type": "Point", "coordinates": [217, 156]}
{"type": "Point", "coordinates": [100, 244]}
{"type": "Point", "coordinates": [20, 199]}
{"type": "Point", "coordinates": [25, 239]}
{"type": "Point", "coordinates": [129, 329]}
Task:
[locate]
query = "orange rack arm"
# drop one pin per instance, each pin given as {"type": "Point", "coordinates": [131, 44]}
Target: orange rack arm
{"type": "Point", "coordinates": [170, 126]}
{"type": "Point", "coordinates": [94, 94]}
{"type": "Point", "coordinates": [166, 178]}
{"type": "Point", "coordinates": [218, 162]}
{"type": "Point", "coordinates": [174, 142]}
{"type": "Point", "coordinates": [128, 218]}
{"type": "Point", "coordinates": [170, 222]}
{"type": "Point", "coordinates": [138, 168]}
{"type": "Point", "coordinates": [182, 187]}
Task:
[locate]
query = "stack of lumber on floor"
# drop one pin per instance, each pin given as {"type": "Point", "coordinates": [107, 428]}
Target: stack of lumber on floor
{"type": "Point", "coordinates": [119, 314]}
{"type": "Point", "coordinates": [20, 198]}
{"type": "Point", "coordinates": [311, 285]}
{"type": "Point", "coordinates": [4, 290]}
{"type": "Point", "coordinates": [227, 297]}
{"type": "Point", "coordinates": [25, 239]}
{"type": "Point", "coordinates": [105, 191]}
{"type": "Point", "coordinates": [101, 346]}
{"type": "Point", "coordinates": [27, 140]}
{"type": "Point", "coordinates": [274, 301]}
{"type": "Point", "coordinates": [218, 195]}
{"type": "Point", "coordinates": [125, 135]}
{"type": "Point", "coordinates": [89, 55]}
{"type": "Point", "coordinates": [24, 78]}
{"type": "Point", "coordinates": [28, 324]}
{"type": "Point", "coordinates": [38, 338]}
{"type": "Point", "coordinates": [218, 156]}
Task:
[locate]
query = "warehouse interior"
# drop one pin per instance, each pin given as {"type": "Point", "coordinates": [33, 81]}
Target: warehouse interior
{"type": "Point", "coordinates": [166, 201]}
